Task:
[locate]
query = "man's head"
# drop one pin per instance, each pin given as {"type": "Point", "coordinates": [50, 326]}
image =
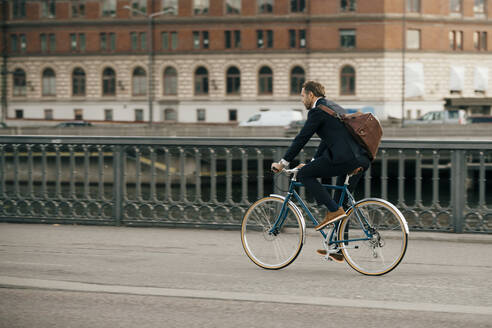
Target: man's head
{"type": "Point", "coordinates": [310, 91]}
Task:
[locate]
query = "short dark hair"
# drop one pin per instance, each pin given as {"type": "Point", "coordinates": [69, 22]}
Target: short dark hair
{"type": "Point", "coordinates": [316, 88]}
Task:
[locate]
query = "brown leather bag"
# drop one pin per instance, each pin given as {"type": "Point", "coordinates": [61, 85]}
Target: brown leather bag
{"type": "Point", "coordinates": [364, 127]}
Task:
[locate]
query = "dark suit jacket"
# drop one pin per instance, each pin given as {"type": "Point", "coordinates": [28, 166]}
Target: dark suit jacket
{"type": "Point", "coordinates": [336, 141]}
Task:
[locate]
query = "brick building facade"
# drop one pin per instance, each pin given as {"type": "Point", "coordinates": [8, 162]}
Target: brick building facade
{"type": "Point", "coordinates": [223, 60]}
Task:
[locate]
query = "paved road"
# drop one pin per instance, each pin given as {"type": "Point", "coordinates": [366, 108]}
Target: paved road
{"type": "Point", "coordinates": [86, 276]}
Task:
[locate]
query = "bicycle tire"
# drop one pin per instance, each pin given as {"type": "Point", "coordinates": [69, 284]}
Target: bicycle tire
{"type": "Point", "coordinates": [385, 251]}
{"type": "Point", "coordinates": [266, 250]}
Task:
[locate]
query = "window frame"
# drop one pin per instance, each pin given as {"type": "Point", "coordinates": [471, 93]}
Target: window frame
{"type": "Point", "coordinates": [265, 81]}
{"type": "Point", "coordinates": [48, 86]}
{"type": "Point", "coordinates": [348, 82]}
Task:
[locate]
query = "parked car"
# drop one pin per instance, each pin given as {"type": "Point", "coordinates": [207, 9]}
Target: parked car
{"type": "Point", "coordinates": [273, 118]}
{"type": "Point", "coordinates": [294, 127]}
{"type": "Point", "coordinates": [441, 117]}
{"type": "Point", "coordinates": [73, 124]}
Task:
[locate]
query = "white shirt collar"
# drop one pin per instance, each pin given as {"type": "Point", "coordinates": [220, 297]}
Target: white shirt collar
{"type": "Point", "coordinates": [315, 102]}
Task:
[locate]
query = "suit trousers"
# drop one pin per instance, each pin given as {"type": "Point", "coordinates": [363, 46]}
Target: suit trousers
{"type": "Point", "coordinates": [323, 167]}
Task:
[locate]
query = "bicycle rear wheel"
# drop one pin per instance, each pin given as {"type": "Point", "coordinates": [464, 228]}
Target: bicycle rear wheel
{"type": "Point", "coordinates": [385, 249]}
{"type": "Point", "coordinates": [266, 249]}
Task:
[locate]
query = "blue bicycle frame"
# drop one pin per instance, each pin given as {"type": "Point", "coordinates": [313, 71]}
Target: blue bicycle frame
{"type": "Point", "coordinates": [344, 192]}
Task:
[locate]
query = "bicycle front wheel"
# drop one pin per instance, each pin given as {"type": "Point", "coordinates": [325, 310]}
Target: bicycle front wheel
{"type": "Point", "coordinates": [384, 249]}
{"type": "Point", "coordinates": [272, 250]}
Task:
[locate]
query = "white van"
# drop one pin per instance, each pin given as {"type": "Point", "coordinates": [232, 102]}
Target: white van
{"type": "Point", "coordinates": [273, 118]}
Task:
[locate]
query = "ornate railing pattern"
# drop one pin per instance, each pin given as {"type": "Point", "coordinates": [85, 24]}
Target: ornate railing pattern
{"type": "Point", "coordinates": [439, 186]}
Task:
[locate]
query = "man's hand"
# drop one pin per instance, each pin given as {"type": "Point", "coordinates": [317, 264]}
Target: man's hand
{"type": "Point", "coordinates": [300, 166]}
{"type": "Point", "coordinates": [277, 167]}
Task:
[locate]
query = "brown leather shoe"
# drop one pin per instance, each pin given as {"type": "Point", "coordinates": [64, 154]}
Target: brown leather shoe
{"type": "Point", "coordinates": [331, 217]}
{"type": "Point", "coordinates": [337, 257]}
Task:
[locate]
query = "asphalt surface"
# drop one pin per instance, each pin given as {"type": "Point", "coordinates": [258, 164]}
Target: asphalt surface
{"type": "Point", "coordinates": [87, 276]}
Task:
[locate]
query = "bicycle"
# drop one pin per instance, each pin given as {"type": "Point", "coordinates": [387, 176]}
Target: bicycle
{"type": "Point", "coordinates": [373, 237]}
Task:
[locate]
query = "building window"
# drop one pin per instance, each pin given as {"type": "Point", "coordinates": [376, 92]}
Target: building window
{"type": "Point", "coordinates": [48, 43]}
{"type": "Point", "coordinates": [19, 113]}
{"type": "Point", "coordinates": [19, 9]}
{"type": "Point", "coordinates": [456, 40]}
{"type": "Point", "coordinates": [480, 40]}
{"type": "Point", "coordinates": [201, 81]}
{"type": "Point", "coordinates": [78, 82]}
{"type": "Point", "coordinates": [20, 83]}
{"type": "Point", "coordinates": [232, 115]}
{"type": "Point", "coordinates": [347, 39]}
{"type": "Point", "coordinates": [44, 43]}
{"type": "Point", "coordinates": [200, 7]}
{"type": "Point", "coordinates": [108, 41]}
{"type": "Point", "coordinates": [48, 8]}
{"type": "Point", "coordinates": [77, 42]}
{"type": "Point", "coordinates": [169, 43]}
{"type": "Point", "coordinates": [265, 81]}
{"type": "Point", "coordinates": [347, 80]}
{"type": "Point", "coordinates": [413, 6]}
{"type": "Point", "coordinates": [455, 6]}
{"type": "Point", "coordinates": [108, 8]}
{"type": "Point", "coordinates": [143, 40]}
{"type": "Point", "coordinates": [413, 39]}
{"type": "Point", "coordinates": [233, 78]}
{"type": "Point", "coordinates": [232, 7]}
{"type": "Point", "coordinates": [49, 82]}
{"type": "Point", "coordinates": [109, 82]}
{"type": "Point", "coordinates": [260, 39]}
{"type": "Point", "coordinates": [48, 114]}
{"type": "Point", "coordinates": [78, 114]}
{"type": "Point", "coordinates": [170, 115]}
{"type": "Point", "coordinates": [232, 39]}
{"type": "Point", "coordinates": [200, 115]}
{"type": "Point", "coordinates": [347, 5]}
{"type": "Point", "coordinates": [78, 8]}
{"type": "Point", "coordinates": [108, 114]}
{"type": "Point", "coordinates": [479, 7]}
{"type": "Point", "coordinates": [139, 6]}
{"type": "Point", "coordinates": [297, 6]}
{"type": "Point", "coordinates": [265, 6]}
{"type": "Point", "coordinates": [139, 82]}
{"type": "Point", "coordinates": [170, 81]}
{"type": "Point", "coordinates": [200, 40]}
{"type": "Point", "coordinates": [52, 44]}
{"type": "Point", "coordinates": [171, 6]}
{"type": "Point", "coordinates": [139, 115]}
{"type": "Point", "coordinates": [297, 79]}
{"type": "Point", "coordinates": [18, 43]}
{"type": "Point", "coordinates": [297, 38]}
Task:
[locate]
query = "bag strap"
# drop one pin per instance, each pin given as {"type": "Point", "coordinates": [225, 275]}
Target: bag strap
{"type": "Point", "coordinates": [331, 111]}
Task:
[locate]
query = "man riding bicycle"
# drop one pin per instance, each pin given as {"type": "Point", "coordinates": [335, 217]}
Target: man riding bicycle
{"type": "Point", "coordinates": [338, 153]}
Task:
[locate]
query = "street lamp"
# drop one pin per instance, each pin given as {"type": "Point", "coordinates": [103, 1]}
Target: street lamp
{"type": "Point", "coordinates": [404, 46]}
{"type": "Point", "coordinates": [150, 17]}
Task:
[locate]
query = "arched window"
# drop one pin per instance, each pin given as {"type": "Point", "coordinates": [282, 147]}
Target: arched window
{"type": "Point", "coordinates": [109, 82]}
{"type": "Point", "coordinates": [139, 82]}
{"type": "Point", "coordinates": [49, 82]}
{"type": "Point", "coordinates": [201, 81]}
{"type": "Point", "coordinates": [170, 115]}
{"type": "Point", "coordinates": [170, 81]}
{"type": "Point", "coordinates": [297, 78]}
{"type": "Point", "coordinates": [265, 81]}
{"type": "Point", "coordinates": [19, 82]}
{"type": "Point", "coordinates": [347, 80]}
{"type": "Point", "coordinates": [78, 82]}
{"type": "Point", "coordinates": [233, 79]}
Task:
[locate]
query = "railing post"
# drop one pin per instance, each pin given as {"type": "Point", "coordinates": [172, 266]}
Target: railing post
{"type": "Point", "coordinates": [118, 183]}
{"type": "Point", "coordinates": [458, 191]}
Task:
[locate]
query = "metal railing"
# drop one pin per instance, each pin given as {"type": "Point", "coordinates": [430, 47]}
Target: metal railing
{"type": "Point", "coordinates": [210, 182]}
